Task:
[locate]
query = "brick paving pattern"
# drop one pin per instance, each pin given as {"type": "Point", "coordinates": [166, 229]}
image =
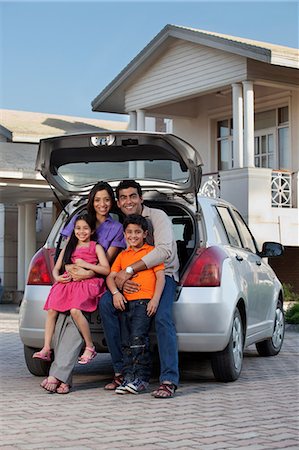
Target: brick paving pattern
{"type": "Point", "coordinates": [257, 412]}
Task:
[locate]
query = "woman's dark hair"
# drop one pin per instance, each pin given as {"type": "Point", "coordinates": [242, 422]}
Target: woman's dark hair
{"type": "Point", "coordinates": [135, 219]}
{"type": "Point", "coordinates": [100, 186]}
{"type": "Point", "coordinates": [73, 241]}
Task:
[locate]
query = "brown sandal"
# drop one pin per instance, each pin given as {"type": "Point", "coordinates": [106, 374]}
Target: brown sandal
{"type": "Point", "coordinates": [165, 390]}
{"type": "Point", "coordinates": [117, 381]}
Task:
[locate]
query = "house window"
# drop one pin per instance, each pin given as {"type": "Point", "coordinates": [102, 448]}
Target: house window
{"type": "Point", "coordinates": [225, 144]}
{"type": "Point", "coordinates": [271, 139]}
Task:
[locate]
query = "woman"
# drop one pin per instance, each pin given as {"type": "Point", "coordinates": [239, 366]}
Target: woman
{"type": "Point", "coordinates": [67, 339]}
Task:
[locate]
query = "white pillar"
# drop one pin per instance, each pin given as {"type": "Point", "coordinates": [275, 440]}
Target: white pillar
{"type": "Point", "coordinates": [133, 121]}
{"type": "Point", "coordinates": [140, 120]}
{"type": "Point", "coordinates": [21, 249]}
{"type": "Point", "coordinates": [238, 125]}
{"type": "Point", "coordinates": [140, 127]}
{"type": "Point", "coordinates": [30, 233]}
{"type": "Point", "coordinates": [248, 123]}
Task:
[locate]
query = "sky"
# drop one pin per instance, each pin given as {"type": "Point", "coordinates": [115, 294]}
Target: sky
{"type": "Point", "coordinates": [56, 57]}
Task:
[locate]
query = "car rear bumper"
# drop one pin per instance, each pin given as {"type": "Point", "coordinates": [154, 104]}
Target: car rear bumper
{"type": "Point", "coordinates": [203, 319]}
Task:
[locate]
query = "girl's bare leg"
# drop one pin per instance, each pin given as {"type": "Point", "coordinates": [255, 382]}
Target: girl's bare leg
{"type": "Point", "coordinates": [49, 329]}
{"type": "Point", "coordinates": [45, 352]}
{"type": "Point", "coordinates": [83, 326]}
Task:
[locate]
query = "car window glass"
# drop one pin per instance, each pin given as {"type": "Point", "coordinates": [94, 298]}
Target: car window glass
{"type": "Point", "coordinates": [247, 239]}
{"type": "Point", "coordinates": [230, 227]}
{"type": "Point", "coordinates": [218, 229]}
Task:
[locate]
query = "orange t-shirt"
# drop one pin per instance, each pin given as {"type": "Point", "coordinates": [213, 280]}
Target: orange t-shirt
{"type": "Point", "coordinates": [146, 278]}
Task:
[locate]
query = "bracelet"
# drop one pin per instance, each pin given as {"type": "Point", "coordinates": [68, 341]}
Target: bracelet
{"type": "Point", "coordinates": [115, 292]}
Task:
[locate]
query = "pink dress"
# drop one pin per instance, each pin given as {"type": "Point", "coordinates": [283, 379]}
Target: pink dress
{"type": "Point", "coordinates": [83, 295]}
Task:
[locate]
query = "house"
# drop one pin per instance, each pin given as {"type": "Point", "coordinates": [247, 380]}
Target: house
{"type": "Point", "coordinates": [237, 101]}
{"type": "Point", "coordinates": [28, 206]}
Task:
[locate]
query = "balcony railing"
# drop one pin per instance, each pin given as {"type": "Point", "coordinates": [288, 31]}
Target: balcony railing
{"type": "Point", "coordinates": [284, 188]}
{"type": "Point", "coordinates": [210, 185]}
{"type": "Point", "coordinates": [281, 189]}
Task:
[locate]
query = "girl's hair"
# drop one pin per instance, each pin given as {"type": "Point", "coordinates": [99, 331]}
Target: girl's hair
{"type": "Point", "coordinates": [100, 186]}
{"type": "Point", "coordinates": [73, 241]}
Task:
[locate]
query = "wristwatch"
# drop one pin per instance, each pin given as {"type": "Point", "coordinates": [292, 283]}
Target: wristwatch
{"type": "Point", "coordinates": [129, 270]}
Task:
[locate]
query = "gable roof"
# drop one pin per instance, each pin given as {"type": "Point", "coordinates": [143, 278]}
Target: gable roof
{"type": "Point", "coordinates": [25, 126]}
{"type": "Point", "coordinates": [111, 99]}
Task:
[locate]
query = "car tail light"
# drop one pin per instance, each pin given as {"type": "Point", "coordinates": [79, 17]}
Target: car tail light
{"type": "Point", "coordinates": [39, 269]}
{"type": "Point", "coordinates": [205, 268]}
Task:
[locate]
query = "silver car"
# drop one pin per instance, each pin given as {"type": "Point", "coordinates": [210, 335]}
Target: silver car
{"type": "Point", "coordinates": [228, 296]}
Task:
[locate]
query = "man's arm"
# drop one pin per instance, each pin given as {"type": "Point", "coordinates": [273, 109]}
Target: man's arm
{"type": "Point", "coordinates": [163, 242]}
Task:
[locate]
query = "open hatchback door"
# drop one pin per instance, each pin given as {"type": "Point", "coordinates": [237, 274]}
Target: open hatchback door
{"type": "Point", "coordinates": [73, 163]}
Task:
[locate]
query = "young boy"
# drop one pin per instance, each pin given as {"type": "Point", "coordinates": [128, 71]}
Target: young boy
{"type": "Point", "coordinates": [139, 307]}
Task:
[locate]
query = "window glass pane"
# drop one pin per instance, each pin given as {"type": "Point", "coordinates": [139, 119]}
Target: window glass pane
{"type": "Point", "coordinates": [83, 174]}
{"type": "Point", "coordinates": [247, 239]}
{"type": "Point", "coordinates": [224, 155]}
{"type": "Point", "coordinates": [256, 145]}
{"type": "Point", "coordinates": [265, 119]}
{"type": "Point", "coordinates": [230, 227]}
{"type": "Point", "coordinates": [264, 144]}
{"type": "Point", "coordinates": [284, 154]}
{"type": "Point", "coordinates": [271, 162]}
{"type": "Point", "coordinates": [270, 143]}
{"type": "Point", "coordinates": [222, 128]}
{"type": "Point", "coordinates": [283, 115]}
{"type": "Point", "coordinates": [264, 161]}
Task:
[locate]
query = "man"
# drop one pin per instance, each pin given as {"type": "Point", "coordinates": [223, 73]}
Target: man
{"type": "Point", "coordinates": [130, 201]}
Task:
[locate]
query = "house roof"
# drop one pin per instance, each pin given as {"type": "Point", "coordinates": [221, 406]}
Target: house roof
{"type": "Point", "coordinates": [111, 99]}
{"type": "Point", "coordinates": [24, 126]}
{"type": "Point", "coordinates": [19, 181]}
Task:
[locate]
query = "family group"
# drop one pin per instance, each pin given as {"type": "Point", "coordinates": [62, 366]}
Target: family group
{"type": "Point", "coordinates": [129, 271]}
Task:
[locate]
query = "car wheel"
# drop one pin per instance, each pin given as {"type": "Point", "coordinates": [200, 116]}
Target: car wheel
{"type": "Point", "coordinates": [35, 366]}
{"type": "Point", "coordinates": [272, 346]}
{"type": "Point", "coordinates": [227, 365]}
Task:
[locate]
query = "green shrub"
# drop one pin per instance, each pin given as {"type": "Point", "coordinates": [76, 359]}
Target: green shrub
{"type": "Point", "coordinates": [289, 294]}
{"type": "Point", "coordinates": [292, 314]}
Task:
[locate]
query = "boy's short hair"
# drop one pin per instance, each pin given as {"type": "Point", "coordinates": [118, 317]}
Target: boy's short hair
{"type": "Point", "coordinates": [125, 184]}
{"type": "Point", "coordinates": [136, 219]}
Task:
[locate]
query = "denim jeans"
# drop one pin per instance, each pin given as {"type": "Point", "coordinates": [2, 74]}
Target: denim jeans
{"type": "Point", "coordinates": [165, 330]}
{"type": "Point", "coordinates": [134, 329]}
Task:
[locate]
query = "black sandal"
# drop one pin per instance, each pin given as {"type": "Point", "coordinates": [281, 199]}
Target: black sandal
{"type": "Point", "coordinates": [165, 390]}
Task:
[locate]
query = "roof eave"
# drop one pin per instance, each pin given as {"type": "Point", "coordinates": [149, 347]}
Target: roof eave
{"type": "Point", "coordinates": [112, 98]}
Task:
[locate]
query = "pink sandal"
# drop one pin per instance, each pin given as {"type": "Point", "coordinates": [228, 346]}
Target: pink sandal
{"type": "Point", "coordinates": [45, 355]}
{"type": "Point", "coordinates": [85, 359]}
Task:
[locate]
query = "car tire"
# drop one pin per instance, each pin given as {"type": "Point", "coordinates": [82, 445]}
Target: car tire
{"type": "Point", "coordinates": [272, 346]}
{"type": "Point", "coordinates": [36, 366]}
{"type": "Point", "coordinates": [227, 364]}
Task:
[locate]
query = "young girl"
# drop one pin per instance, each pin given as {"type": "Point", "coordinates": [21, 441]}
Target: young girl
{"type": "Point", "coordinates": [76, 296]}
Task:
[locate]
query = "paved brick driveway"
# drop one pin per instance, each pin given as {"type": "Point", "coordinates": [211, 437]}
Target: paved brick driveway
{"type": "Point", "coordinates": [258, 412]}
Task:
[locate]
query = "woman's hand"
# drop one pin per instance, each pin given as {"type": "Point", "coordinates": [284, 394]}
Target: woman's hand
{"type": "Point", "coordinates": [64, 278]}
{"type": "Point", "coordinates": [80, 263]}
{"type": "Point", "coordinates": [78, 273]}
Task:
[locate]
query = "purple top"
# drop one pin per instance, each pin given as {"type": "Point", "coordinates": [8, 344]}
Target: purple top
{"type": "Point", "coordinates": [109, 233]}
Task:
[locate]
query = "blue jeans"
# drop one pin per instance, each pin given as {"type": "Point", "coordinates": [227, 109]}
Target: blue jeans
{"type": "Point", "coordinates": [134, 329]}
{"type": "Point", "coordinates": [165, 330]}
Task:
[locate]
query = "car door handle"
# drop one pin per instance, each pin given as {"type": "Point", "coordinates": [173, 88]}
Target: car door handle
{"type": "Point", "coordinates": [239, 258]}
